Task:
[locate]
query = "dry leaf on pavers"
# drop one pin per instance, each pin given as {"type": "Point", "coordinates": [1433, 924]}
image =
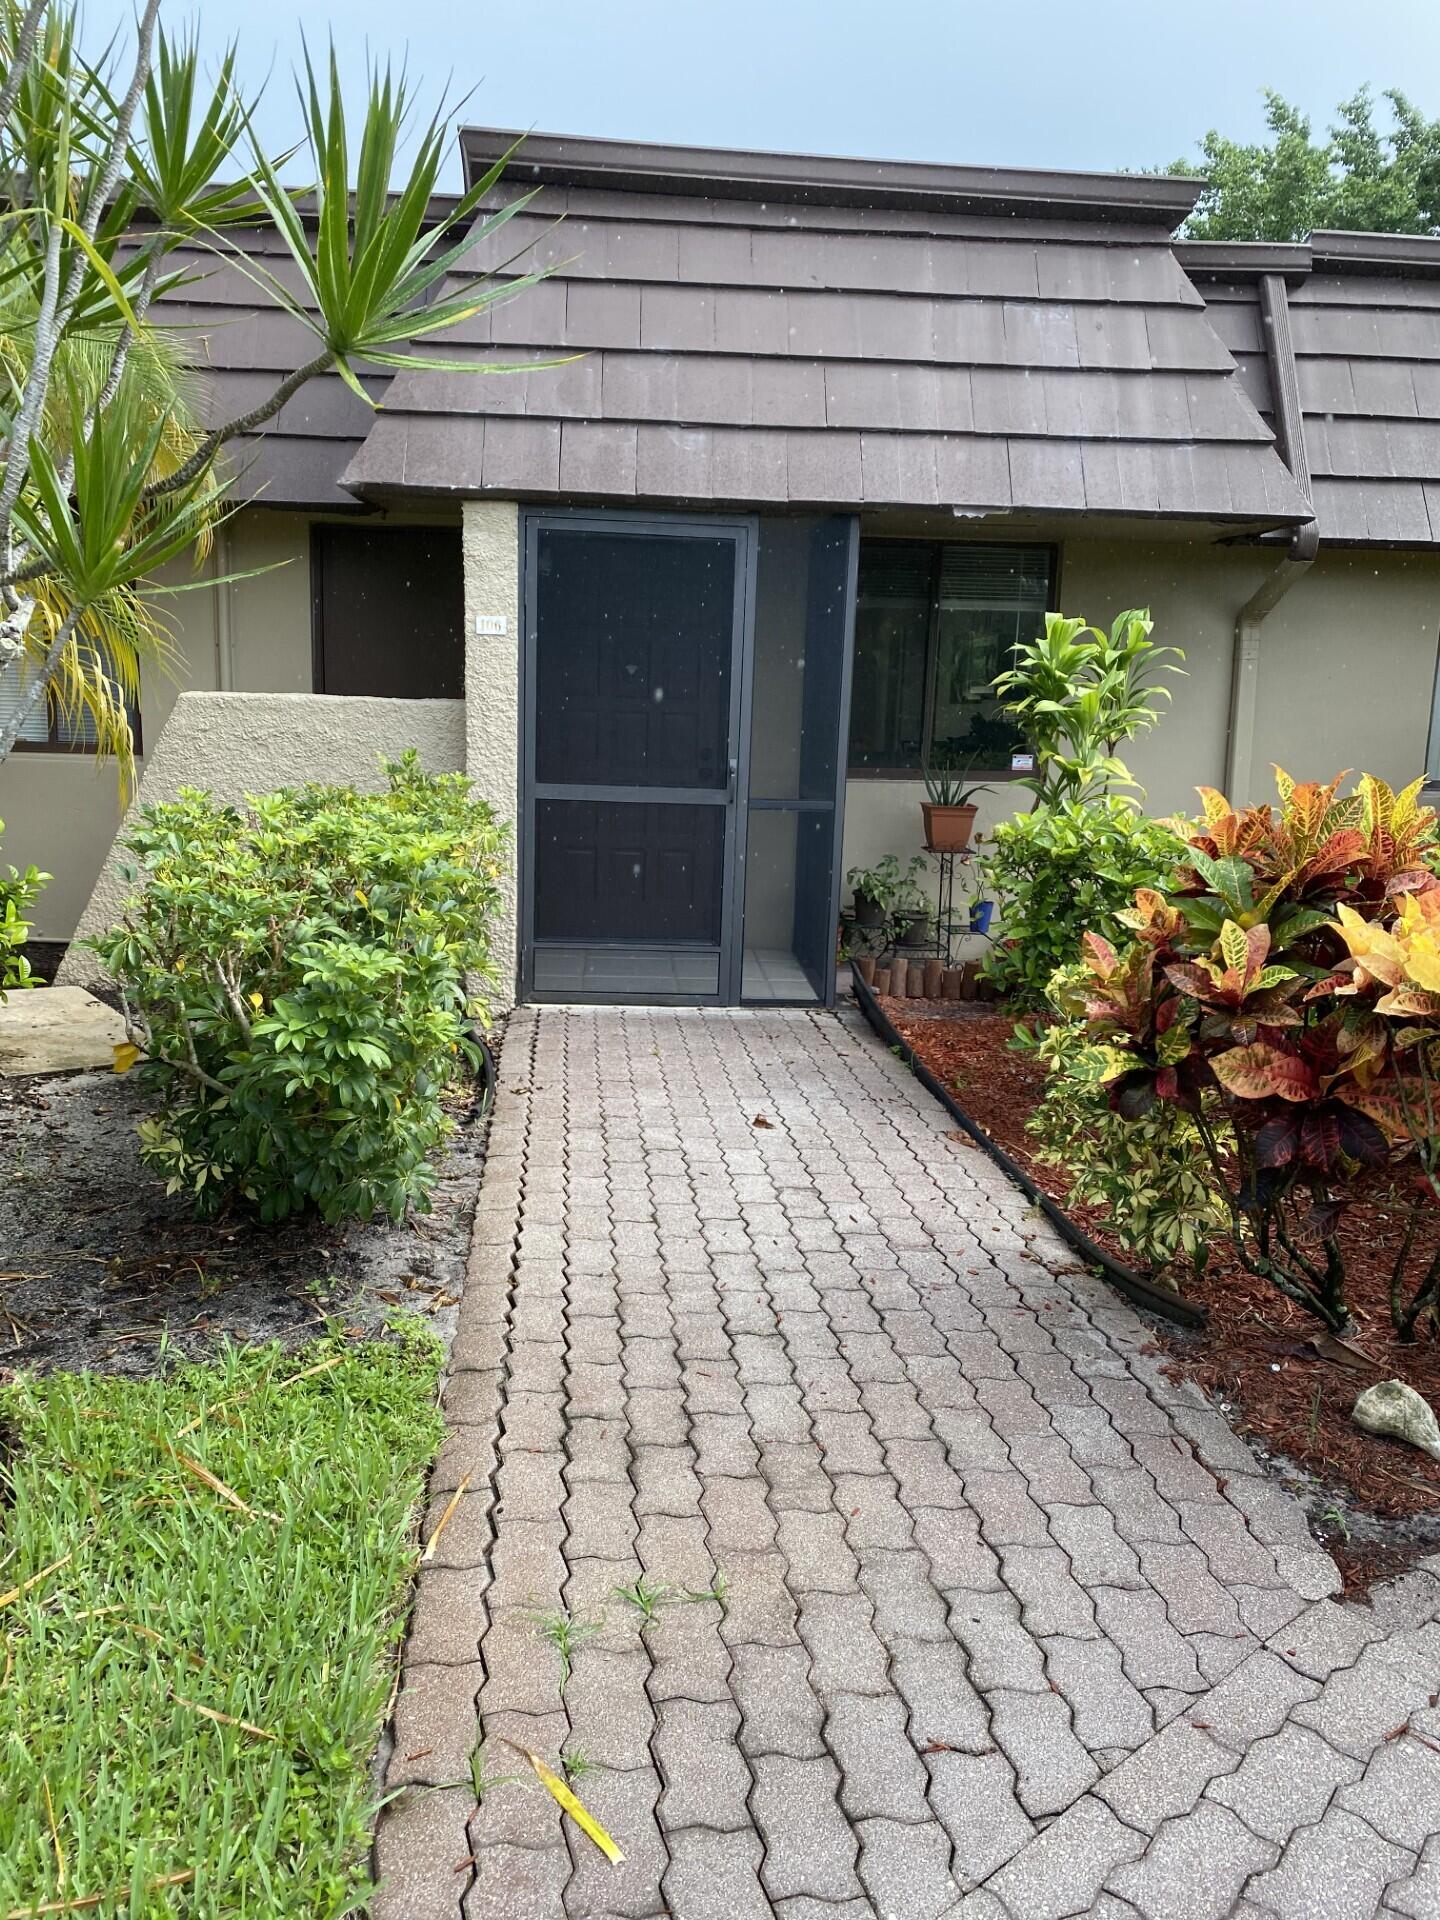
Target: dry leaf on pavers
{"type": "Point", "coordinates": [571, 1804]}
{"type": "Point", "coordinates": [761, 1121]}
{"type": "Point", "coordinates": [433, 1542]}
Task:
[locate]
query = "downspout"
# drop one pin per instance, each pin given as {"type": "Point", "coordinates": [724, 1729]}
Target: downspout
{"type": "Point", "coordinates": [1304, 543]}
{"type": "Point", "coordinates": [224, 639]}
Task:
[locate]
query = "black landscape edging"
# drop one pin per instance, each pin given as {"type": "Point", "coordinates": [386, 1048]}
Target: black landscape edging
{"type": "Point", "coordinates": [1133, 1285]}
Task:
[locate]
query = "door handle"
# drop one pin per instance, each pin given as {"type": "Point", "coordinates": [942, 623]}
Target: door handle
{"type": "Point", "coordinates": [733, 782]}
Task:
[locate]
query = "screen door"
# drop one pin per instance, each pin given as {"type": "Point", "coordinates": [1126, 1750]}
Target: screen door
{"type": "Point", "coordinates": [634, 634]}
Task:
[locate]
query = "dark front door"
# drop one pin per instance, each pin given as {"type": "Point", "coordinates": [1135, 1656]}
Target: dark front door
{"type": "Point", "coordinates": [634, 644]}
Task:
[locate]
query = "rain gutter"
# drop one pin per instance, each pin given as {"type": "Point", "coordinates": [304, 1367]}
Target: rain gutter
{"type": "Point", "coordinates": [1302, 546]}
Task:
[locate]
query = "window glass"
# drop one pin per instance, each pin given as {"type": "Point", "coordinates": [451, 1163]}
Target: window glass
{"type": "Point", "coordinates": [944, 617]}
{"type": "Point", "coordinates": [48, 724]}
{"type": "Point", "coordinates": [892, 625]}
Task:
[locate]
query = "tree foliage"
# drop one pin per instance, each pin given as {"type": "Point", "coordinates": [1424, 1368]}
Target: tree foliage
{"type": "Point", "coordinates": [107, 169]}
{"type": "Point", "coordinates": [1363, 176]}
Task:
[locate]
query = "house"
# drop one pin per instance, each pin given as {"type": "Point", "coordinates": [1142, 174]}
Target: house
{"type": "Point", "coordinates": [793, 450]}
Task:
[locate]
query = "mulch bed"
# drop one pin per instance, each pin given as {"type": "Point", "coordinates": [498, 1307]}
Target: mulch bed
{"type": "Point", "coordinates": [1376, 1500]}
{"type": "Point", "coordinates": [99, 1269]}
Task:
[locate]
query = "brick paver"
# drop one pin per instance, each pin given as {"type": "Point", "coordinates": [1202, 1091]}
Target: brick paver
{"type": "Point", "coordinates": [844, 1541]}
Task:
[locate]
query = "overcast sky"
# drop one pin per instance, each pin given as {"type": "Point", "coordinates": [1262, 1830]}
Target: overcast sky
{"type": "Point", "coordinates": [1058, 83]}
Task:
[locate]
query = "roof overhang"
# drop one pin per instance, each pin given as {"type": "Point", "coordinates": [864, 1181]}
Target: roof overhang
{"type": "Point", "coordinates": [1400, 255]}
{"type": "Point", "coordinates": [549, 159]}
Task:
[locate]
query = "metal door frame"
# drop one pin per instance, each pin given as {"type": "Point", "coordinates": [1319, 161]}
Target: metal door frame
{"type": "Point", "coordinates": [743, 532]}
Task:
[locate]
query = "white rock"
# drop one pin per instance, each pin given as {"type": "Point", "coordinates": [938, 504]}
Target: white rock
{"type": "Point", "coordinates": [1392, 1408]}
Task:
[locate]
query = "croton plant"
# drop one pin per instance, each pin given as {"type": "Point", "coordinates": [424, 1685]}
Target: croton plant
{"type": "Point", "coordinates": [1285, 993]}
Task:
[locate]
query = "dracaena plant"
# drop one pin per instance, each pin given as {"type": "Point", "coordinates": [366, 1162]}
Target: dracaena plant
{"type": "Point", "coordinates": [1285, 995]}
{"type": "Point", "coordinates": [107, 468]}
{"type": "Point", "coordinates": [1078, 694]}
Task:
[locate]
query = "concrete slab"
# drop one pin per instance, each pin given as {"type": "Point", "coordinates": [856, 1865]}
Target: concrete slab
{"type": "Point", "coordinates": [56, 1030]}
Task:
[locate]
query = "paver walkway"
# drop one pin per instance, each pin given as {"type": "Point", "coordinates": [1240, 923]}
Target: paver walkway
{"type": "Point", "coordinates": [1012, 1626]}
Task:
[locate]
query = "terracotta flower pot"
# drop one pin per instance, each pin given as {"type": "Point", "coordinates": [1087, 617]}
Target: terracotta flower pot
{"type": "Point", "coordinates": [947, 829]}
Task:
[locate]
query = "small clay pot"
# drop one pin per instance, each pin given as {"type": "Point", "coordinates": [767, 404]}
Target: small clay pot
{"type": "Point", "coordinates": [914, 931]}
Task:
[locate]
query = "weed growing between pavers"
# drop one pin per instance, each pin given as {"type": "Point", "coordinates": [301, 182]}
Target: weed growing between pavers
{"type": "Point", "coordinates": [193, 1674]}
{"type": "Point", "coordinates": [567, 1635]}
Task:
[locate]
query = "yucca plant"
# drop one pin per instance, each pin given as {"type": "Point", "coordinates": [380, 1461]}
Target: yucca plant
{"type": "Point", "coordinates": [107, 469]}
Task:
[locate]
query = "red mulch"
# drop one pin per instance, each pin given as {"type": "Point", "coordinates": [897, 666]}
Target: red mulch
{"type": "Point", "coordinates": [1254, 1353]}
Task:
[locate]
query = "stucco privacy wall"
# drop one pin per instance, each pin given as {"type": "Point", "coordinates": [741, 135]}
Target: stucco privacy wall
{"type": "Point", "coordinates": [1347, 673]}
{"type": "Point", "coordinates": [239, 743]}
{"type": "Point", "coordinates": [491, 541]}
{"type": "Point", "coordinates": [61, 810]}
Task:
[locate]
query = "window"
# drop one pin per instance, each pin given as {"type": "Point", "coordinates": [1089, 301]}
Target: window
{"type": "Point", "coordinates": [934, 623]}
{"type": "Point", "coordinates": [388, 611]}
{"type": "Point", "coordinates": [49, 728]}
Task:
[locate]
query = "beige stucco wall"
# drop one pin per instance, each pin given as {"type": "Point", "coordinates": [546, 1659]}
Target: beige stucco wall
{"type": "Point", "coordinates": [61, 810]}
{"type": "Point", "coordinates": [237, 743]}
{"type": "Point", "coordinates": [1347, 660]}
{"type": "Point", "coordinates": [265, 624]}
{"type": "Point", "coordinates": [491, 538]}
{"type": "Point", "coordinates": [1347, 670]}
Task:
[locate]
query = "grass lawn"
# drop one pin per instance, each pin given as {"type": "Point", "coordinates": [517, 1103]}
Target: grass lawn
{"type": "Point", "coordinates": [201, 1585]}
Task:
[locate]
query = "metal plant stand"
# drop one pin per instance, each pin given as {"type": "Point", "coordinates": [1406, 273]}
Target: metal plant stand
{"type": "Point", "coordinates": [946, 927]}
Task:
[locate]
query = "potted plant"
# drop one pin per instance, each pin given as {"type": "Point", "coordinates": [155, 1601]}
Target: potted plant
{"type": "Point", "coordinates": [910, 909]}
{"type": "Point", "coordinates": [948, 807]}
{"type": "Point", "coordinates": [874, 891]}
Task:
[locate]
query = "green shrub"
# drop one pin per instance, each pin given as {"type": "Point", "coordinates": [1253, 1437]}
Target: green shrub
{"type": "Point", "coordinates": [1059, 872]}
{"type": "Point", "coordinates": [19, 890]}
{"type": "Point", "coordinates": [295, 974]}
{"type": "Point", "coordinates": [1149, 1179]}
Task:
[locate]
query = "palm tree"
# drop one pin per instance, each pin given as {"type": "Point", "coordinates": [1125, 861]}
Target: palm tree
{"type": "Point", "coordinates": [107, 471]}
{"type": "Point", "coordinates": [95, 683]}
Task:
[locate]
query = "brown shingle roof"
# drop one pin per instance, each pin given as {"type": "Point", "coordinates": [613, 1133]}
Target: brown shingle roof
{"type": "Point", "coordinates": [1365, 322]}
{"type": "Point", "coordinates": [774, 329]}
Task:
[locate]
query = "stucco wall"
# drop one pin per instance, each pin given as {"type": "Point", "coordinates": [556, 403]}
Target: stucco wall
{"type": "Point", "coordinates": [492, 688]}
{"type": "Point", "coordinates": [232, 744]}
{"type": "Point", "coordinates": [1347, 668]}
{"type": "Point", "coordinates": [61, 810]}
{"type": "Point", "coordinates": [267, 612]}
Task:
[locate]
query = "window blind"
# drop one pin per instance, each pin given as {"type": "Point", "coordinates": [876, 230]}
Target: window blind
{"type": "Point", "coordinates": [36, 730]}
{"type": "Point", "coordinates": [895, 570]}
{"type": "Point", "coordinates": [995, 576]}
